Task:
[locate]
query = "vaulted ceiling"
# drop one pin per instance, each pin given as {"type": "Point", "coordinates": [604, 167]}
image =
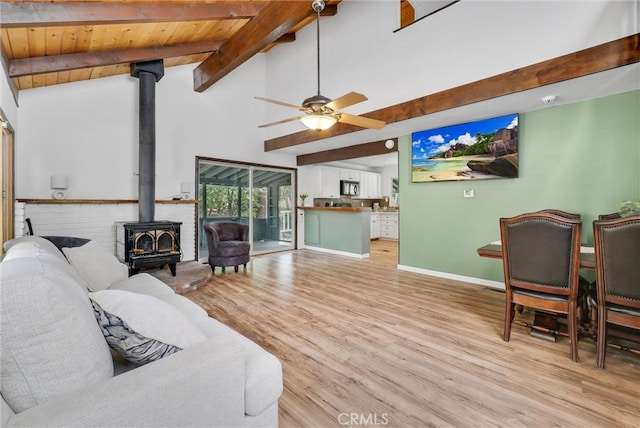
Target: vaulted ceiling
{"type": "Point", "coordinates": [48, 42]}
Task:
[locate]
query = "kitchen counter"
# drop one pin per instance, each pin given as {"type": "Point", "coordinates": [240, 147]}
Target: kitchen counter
{"type": "Point", "coordinates": [338, 230]}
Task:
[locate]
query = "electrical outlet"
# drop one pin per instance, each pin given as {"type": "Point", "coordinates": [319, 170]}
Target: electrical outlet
{"type": "Point", "coordinates": [468, 193]}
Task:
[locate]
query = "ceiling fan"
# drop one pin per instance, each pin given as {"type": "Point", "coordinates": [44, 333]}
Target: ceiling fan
{"type": "Point", "coordinates": [320, 112]}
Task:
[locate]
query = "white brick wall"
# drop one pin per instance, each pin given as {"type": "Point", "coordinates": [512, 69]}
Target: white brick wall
{"type": "Point", "coordinates": [97, 221]}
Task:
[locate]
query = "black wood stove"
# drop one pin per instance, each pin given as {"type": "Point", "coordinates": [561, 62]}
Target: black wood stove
{"type": "Point", "coordinates": [148, 243]}
{"type": "Point", "coordinates": [151, 244]}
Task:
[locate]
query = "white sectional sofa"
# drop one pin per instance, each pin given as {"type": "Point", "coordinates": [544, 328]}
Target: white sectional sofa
{"type": "Point", "coordinates": [59, 316]}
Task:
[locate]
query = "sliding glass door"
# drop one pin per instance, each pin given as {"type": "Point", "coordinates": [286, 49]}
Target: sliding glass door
{"type": "Point", "coordinates": [260, 197]}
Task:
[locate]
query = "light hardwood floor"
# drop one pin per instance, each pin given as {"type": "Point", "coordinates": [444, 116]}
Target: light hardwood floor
{"type": "Point", "coordinates": [363, 343]}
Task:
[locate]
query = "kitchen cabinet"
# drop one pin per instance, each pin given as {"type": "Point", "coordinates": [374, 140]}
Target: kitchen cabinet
{"type": "Point", "coordinates": [389, 225]}
{"type": "Point", "coordinates": [349, 174]}
{"type": "Point", "coordinates": [319, 181]}
{"type": "Point", "coordinates": [370, 185]}
{"type": "Point", "coordinates": [308, 182]}
{"type": "Point", "coordinates": [375, 226]}
{"type": "Point", "coordinates": [330, 182]}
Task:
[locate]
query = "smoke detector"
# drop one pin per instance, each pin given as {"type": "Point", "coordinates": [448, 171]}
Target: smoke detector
{"type": "Point", "coordinates": [549, 99]}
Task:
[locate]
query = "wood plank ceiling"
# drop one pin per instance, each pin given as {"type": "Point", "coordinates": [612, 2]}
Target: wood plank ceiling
{"type": "Point", "coordinates": [47, 42]}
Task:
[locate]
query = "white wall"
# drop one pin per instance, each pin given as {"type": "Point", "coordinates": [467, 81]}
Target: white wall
{"type": "Point", "coordinates": [466, 42]}
{"type": "Point", "coordinates": [89, 131]}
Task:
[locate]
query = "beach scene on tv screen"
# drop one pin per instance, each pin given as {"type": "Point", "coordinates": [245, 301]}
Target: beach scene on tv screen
{"type": "Point", "coordinates": [484, 149]}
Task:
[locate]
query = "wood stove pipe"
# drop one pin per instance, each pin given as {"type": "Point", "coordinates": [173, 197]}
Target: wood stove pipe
{"type": "Point", "coordinates": [148, 73]}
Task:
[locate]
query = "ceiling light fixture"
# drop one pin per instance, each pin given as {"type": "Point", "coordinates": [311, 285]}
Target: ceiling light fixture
{"type": "Point", "coordinates": [319, 122]}
{"type": "Point", "coordinates": [320, 112]}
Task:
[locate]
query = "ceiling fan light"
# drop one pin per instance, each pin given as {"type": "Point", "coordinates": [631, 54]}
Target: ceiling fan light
{"type": "Point", "coordinates": [319, 122]}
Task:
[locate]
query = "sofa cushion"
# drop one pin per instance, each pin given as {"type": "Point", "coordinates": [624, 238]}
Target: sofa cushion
{"type": "Point", "coordinates": [98, 267]}
{"type": "Point", "coordinates": [44, 251]}
{"type": "Point", "coordinates": [233, 248]}
{"type": "Point", "coordinates": [50, 341]}
{"type": "Point", "coordinates": [142, 328]}
{"type": "Point", "coordinates": [35, 242]}
{"type": "Point", "coordinates": [263, 371]}
{"type": "Point", "coordinates": [143, 283]}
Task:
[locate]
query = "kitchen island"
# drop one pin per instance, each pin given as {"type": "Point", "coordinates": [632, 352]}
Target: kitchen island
{"type": "Point", "coordinates": [338, 230]}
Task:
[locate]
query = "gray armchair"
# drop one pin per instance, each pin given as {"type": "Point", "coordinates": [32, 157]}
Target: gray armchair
{"type": "Point", "coordinates": [228, 244]}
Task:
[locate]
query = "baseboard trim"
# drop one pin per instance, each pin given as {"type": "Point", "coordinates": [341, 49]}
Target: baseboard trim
{"type": "Point", "coordinates": [446, 275]}
{"type": "Point", "coordinates": [337, 252]}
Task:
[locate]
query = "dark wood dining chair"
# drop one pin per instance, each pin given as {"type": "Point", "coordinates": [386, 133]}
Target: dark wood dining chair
{"type": "Point", "coordinates": [609, 216]}
{"type": "Point", "coordinates": [541, 260]}
{"type": "Point", "coordinates": [617, 248]}
{"type": "Point", "coordinates": [560, 213]}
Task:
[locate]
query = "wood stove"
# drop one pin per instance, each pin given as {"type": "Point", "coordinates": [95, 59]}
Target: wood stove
{"type": "Point", "coordinates": [148, 244]}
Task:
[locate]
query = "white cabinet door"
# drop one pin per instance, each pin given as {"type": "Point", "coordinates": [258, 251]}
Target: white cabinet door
{"type": "Point", "coordinates": [376, 183]}
{"type": "Point", "coordinates": [364, 185]}
{"type": "Point", "coordinates": [389, 226]}
{"type": "Point", "coordinates": [330, 179]}
{"type": "Point", "coordinates": [375, 226]}
{"type": "Point", "coordinates": [349, 174]}
{"type": "Point", "coordinates": [309, 182]}
{"type": "Point", "coordinates": [369, 185]}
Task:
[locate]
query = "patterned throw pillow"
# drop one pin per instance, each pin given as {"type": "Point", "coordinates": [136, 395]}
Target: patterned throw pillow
{"type": "Point", "coordinates": [142, 328]}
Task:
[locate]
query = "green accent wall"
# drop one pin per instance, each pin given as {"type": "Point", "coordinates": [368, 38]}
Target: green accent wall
{"type": "Point", "coordinates": [582, 158]}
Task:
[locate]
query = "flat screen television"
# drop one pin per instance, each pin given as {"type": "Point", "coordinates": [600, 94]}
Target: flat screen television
{"type": "Point", "coordinates": [484, 149]}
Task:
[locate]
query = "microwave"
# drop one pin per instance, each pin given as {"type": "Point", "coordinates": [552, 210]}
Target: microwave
{"type": "Point", "coordinates": [349, 188]}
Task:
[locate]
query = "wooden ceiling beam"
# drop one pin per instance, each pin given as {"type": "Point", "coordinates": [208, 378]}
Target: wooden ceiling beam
{"type": "Point", "coordinates": [56, 63]}
{"type": "Point", "coordinates": [275, 20]}
{"type": "Point", "coordinates": [351, 152]}
{"type": "Point", "coordinates": [5, 64]}
{"type": "Point", "coordinates": [607, 56]}
{"type": "Point", "coordinates": [46, 14]}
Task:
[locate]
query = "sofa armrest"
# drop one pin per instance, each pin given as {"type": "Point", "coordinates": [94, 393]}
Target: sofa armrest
{"type": "Point", "coordinates": [199, 386]}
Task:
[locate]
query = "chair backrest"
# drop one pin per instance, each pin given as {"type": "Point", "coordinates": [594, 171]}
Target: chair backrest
{"type": "Point", "coordinates": [609, 216]}
{"type": "Point", "coordinates": [617, 248]}
{"type": "Point", "coordinates": [560, 213]}
{"type": "Point", "coordinates": [541, 252]}
{"type": "Point", "coordinates": [29, 226]}
{"type": "Point", "coordinates": [229, 231]}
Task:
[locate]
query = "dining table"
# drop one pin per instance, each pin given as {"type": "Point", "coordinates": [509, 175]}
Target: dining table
{"type": "Point", "coordinates": [493, 250]}
{"type": "Point", "coordinates": [547, 326]}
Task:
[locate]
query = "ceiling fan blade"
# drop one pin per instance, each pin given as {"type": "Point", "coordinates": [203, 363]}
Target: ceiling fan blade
{"type": "Point", "coordinates": [346, 100]}
{"type": "Point", "coordinates": [364, 122]}
{"type": "Point", "coordinates": [291, 119]}
{"type": "Point", "coordinates": [279, 103]}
